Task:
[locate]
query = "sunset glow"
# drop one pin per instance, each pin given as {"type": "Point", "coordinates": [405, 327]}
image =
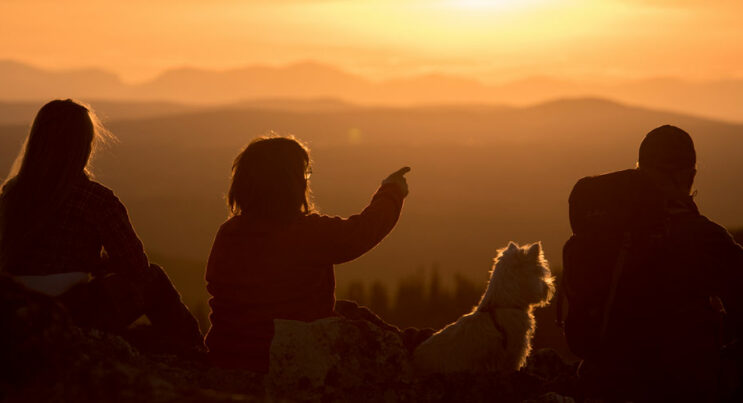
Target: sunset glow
{"type": "Point", "coordinates": [290, 183]}
{"type": "Point", "coordinates": [491, 40]}
{"type": "Point", "coordinates": [492, 4]}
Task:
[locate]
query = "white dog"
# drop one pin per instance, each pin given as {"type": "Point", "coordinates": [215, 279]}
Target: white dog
{"type": "Point", "coordinates": [497, 334]}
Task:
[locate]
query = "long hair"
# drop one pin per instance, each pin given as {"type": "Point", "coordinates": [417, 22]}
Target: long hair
{"type": "Point", "coordinates": [270, 179]}
{"type": "Point", "coordinates": [53, 158]}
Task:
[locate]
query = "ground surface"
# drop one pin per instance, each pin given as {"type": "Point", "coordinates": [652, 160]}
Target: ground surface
{"type": "Point", "coordinates": [46, 358]}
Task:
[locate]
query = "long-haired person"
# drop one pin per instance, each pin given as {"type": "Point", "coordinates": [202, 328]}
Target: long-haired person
{"type": "Point", "coordinates": [68, 236]}
{"type": "Point", "coordinates": [273, 258]}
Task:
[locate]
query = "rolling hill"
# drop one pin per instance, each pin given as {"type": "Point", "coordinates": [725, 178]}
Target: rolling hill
{"type": "Point", "coordinates": [481, 175]}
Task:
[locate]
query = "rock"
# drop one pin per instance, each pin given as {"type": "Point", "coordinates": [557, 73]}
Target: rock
{"type": "Point", "coordinates": [547, 364]}
{"type": "Point", "coordinates": [475, 387]}
{"type": "Point", "coordinates": [334, 353]}
{"type": "Point", "coordinates": [553, 372]}
{"type": "Point", "coordinates": [551, 397]}
{"type": "Point", "coordinates": [44, 357]}
{"type": "Point", "coordinates": [37, 333]}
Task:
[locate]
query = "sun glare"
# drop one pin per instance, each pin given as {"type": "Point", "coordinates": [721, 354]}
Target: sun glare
{"type": "Point", "coordinates": [490, 4]}
{"type": "Point", "coordinates": [483, 3]}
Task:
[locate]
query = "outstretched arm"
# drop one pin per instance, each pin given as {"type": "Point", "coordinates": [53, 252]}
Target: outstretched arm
{"type": "Point", "coordinates": [341, 240]}
{"type": "Point", "coordinates": [732, 285]}
{"type": "Point", "coordinates": [725, 259]}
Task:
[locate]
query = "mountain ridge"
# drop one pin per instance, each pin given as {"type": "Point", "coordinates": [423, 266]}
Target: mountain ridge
{"type": "Point", "coordinates": [306, 80]}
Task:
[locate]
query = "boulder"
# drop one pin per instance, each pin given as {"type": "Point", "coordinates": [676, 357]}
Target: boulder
{"type": "Point", "coordinates": [334, 353]}
{"type": "Point", "coordinates": [37, 333]}
{"type": "Point", "coordinates": [44, 357]}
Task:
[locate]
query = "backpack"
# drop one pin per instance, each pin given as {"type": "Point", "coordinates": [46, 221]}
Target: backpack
{"type": "Point", "coordinates": [612, 216]}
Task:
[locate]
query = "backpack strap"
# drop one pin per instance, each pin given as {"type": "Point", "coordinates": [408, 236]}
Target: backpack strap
{"type": "Point", "coordinates": [559, 296]}
{"type": "Point", "coordinates": [615, 276]}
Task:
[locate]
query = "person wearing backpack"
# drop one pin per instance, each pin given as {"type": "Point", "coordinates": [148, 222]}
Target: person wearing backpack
{"type": "Point", "coordinates": [649, 280]}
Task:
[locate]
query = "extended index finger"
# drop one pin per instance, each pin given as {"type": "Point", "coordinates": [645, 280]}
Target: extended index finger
{"type": "Point", "coordinates": [402, 171]}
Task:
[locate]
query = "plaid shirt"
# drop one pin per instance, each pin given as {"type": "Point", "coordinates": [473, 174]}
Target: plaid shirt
{"type": "Point", "coordinates": [90, 225]}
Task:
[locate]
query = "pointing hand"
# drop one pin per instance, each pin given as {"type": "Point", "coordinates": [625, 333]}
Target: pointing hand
{"type": "Point", "coordinates": [398, 178]}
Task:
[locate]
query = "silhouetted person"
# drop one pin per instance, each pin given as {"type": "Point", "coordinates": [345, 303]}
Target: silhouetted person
{"type": "Point", "coordinates": [273, 258]}
{"type": "Point", "coordinates": [59, 229]}
{"type": "Point", "coordinates": [659, 336]}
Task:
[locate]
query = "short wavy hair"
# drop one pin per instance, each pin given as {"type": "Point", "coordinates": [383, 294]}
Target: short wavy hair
{"type": "Point", "coordinates": [270, 179]}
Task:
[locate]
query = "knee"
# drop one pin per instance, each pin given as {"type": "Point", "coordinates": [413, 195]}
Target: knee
{"type": "Point", "coordinates": [155, 275]}
{"type": "Point", "coordinates": [346, 308]}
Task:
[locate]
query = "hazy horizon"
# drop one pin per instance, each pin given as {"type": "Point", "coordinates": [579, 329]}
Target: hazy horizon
{"type": "Point", "coordinates": [312, 81]}
{"type": "Point", "coordinates": [596, 79]}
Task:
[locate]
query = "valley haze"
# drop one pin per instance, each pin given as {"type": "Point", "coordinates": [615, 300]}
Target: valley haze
{"type": "Point", "coordinates": [482, 175]}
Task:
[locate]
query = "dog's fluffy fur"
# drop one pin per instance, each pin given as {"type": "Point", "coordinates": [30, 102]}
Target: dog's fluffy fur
{"type": "Point", "coordinates": [497, 334]}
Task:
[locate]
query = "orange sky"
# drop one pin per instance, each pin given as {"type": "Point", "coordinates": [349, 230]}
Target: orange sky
{"type": "Point", "coordinates": [494, 40]}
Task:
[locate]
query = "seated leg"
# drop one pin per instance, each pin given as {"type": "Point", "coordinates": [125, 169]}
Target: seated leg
{"type": "Point", "coordinates": [167, 312]}
{"type": "Point", "coordinates": [109, 302]}
{"type": "Point", "coordinates": [112, 302]}
{"type": "Point", "coordinates": [411, 337]}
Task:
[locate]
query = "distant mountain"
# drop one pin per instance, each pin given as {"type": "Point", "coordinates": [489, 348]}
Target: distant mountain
{"type": "Point", "coordinates": [22, 82]}
{"type": "Point", "coordinates": [721, 99]}
{"type": "Point", "coordinates": [302, 80]}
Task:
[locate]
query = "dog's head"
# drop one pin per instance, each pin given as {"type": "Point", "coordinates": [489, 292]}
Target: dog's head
{"type": "Point", "coordinates": [520, 278]}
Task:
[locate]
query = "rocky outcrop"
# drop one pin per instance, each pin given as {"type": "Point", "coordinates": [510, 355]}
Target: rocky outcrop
{"type": "Point", "coordinates": [334, 353]}
{"type": "Point", "coordinates": [45, 358]}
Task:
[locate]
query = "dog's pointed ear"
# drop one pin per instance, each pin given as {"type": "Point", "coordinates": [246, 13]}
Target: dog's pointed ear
{"type": "Point", "coordinates": [512, 246]}
{"type": "Point", "coordinates": [534, 250]}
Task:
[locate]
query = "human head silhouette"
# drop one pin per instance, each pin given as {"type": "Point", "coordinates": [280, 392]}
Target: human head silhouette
{"type": "Point", "coordinates": [668, 148]}
{"type": "Point", "coordinates": [59, 144]}
{"type": "Point", "coordinates": [669, 151]}
{"type": "Point", "coordinates": [270, 179]}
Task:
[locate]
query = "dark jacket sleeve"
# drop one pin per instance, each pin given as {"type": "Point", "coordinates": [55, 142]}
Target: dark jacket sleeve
{"type": "Point", "coordinates": [724, 258]}
{"type": "Point", "coordinates": [124, 249]}
{"type": "Point", "coordinates": [339, 240]}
